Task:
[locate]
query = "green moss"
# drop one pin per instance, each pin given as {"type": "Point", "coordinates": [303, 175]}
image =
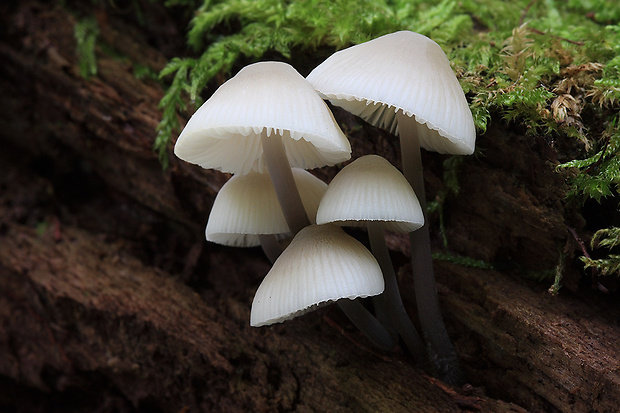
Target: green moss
{"type": "Point", "coordinates": [605, 266]}
{"type": "Point", "coordinates": [86, 31]}
{"type": "Point", "coordinates": [599, 173]}
{"type": "Point", "coordinates": [554, 289]}
{"type": "Point", "coordinates": [171, 102]}
{"type": "Point", "coordinates": [550, 67]}
{"type": "Point", "coordinates": [608, 238]}
{"type": "Point", "coordinates": [512, 59]}
{"type": "Point", "coordinates": [463, 261]}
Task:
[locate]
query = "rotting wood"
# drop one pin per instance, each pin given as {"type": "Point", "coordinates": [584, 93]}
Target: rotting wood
{"type": "Point", "coordinates": [560, 353]}
{"type": "Point", "coordinates": [76, 306]}
{"type": "Point", "coordinates": [105, 127]}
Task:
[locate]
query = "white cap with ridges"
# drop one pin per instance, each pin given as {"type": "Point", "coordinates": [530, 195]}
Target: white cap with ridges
{"type": "Point", "coordinates": [321, 265]}
{"type": "Point", "coordinates": [225, 132]}
{"type": "Point", "coordinates": [371, 189]}
{"type": "Point", "coordinates": [247, 206]}
{"type": "Point", "coordinates": [400, 71]}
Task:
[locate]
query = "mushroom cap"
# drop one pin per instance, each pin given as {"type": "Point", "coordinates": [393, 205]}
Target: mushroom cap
{"type": "Point", "coordinates": [247, 206]}
{"type": "Point", "coordinates": [371, 189]}
{"type": "Point", "coordinates": [225, 132]}
{"type": "Point", "coordinates": [400, 71]}
{"type": "Point", "coordinates": [322, 264]}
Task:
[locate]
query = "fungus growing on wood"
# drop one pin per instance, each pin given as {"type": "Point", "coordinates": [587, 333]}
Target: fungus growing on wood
{"type": "Point", "coordinates": [246, 212]}
{"type": "Point", "coordinates": [370, 192]}
{"type": "Point", "coordinates": [403, 82]}
{"type": "Point", "coordinates": [321, 265]}
{"type": "Point", "coordinates": [265, 118]}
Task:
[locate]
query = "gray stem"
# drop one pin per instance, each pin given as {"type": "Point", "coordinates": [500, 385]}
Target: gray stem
{"type": "Point", "coordinates": [390, 300]}
{"type": "Point", "coordinates": [367, 324]}
{"type": "Point", "coordinates": [283, 182]}
{"type": "Point", "coordinates": [271, 246]}
{"type": "Point", "coordinates": [353, 309]}
{"type": "Point", "coordinates": [441, 351]}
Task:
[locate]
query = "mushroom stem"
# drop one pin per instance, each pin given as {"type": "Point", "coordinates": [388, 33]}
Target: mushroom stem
{"type": "Point", "coordinates": [271, 247]}
{"type": "Point", "coordinates": [283, 182]}
{"type": "Point", "coordinates": [368, 324]}
{"type": "Point", "coordinates": [353, 309]}
{"type": "Point", "coordinates": [390, 300]}
{"type": "Point", "coordinates": [440, 348]}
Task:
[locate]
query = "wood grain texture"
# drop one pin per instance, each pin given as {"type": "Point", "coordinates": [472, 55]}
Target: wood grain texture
{"type": "Point", "coordinates": [111, 299]}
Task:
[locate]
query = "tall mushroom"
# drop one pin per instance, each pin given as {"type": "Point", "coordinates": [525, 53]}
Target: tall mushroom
{"type": "Point", "coordinates": [403, 82]}
{"type": "Point", "coordinates": [372, 193]}
{"type": "Point", "coordinates": [267, 117]}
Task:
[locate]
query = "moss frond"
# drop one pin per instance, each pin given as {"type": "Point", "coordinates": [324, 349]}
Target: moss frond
{"type": "Point", "coordinates": [605, 266]}
{"type": "Point", "coordinates": [606, 238]}
{"type": "Point", "coordinates": [172, 102]}
{"type": "Point", "coordinates": [551, 68]}
{"type": "Point", "coordinates": [85, 32]}
{"type": "Point", "coordinates": [462, 260]}
{"type": "Point", "coordinates": [253, 29]}
{"type": "Point", "coordinates": [598, 175]}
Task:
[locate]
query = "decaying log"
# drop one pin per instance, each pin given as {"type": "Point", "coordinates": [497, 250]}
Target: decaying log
{"type": "Point", "coordinates": [74, 305]}
{"type": "Point", "coordinates": [110, 298]}
{"type": "Point", "coordinates": [552, 353]}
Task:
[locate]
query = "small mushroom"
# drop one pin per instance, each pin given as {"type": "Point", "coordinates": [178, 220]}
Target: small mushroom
{"type": "Point", "coordinates": [246, 212]}
{"type": "Point", "coordinates": [403, 82]}
{"type": "Point", "coordinates": [370, 189]}
{"type": "Point", "coordinates": [371, 192]}
{"type": "Point", "coordinates": [267, 117]}
{"type": "Point", "coordinates": [321, 265]}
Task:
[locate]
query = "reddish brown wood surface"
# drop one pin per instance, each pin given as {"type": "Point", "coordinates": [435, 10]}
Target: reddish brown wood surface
{"type": "Point", "coordinates": [111, 300]}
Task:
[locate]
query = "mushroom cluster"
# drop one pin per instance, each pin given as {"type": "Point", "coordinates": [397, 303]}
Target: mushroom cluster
{"type": "Point", "coordinates": [267, 124]}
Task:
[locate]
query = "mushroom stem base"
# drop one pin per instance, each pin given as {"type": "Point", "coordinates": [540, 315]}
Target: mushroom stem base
{"type": "Point", "coordinates": [440, 349]}
{"type": "Point", "coordinates": [368, 324]}
{"type": "Point", "coordinates": [390, 302]}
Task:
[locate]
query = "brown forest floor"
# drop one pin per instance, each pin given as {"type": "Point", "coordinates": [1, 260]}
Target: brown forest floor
{"type": "Point", "coordinates": [110, 299]}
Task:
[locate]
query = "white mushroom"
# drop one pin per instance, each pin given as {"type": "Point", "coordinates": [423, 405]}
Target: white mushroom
{"type": "Point", "coordinates": [370, 192]}
{"type": "Point", "coordinates": [321, 265]}
{"type": "Point", "coordinates": [370, 189]}
{"type": "Point", "coordinates": [403, 82]}
{"type": "Point", "coordinates": [246, 210]}
{"type": "Point", "coordinates": [267, 117]}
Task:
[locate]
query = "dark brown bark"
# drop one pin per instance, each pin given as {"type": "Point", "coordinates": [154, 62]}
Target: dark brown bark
{"type": "Point", "coordinates": [110, 298]}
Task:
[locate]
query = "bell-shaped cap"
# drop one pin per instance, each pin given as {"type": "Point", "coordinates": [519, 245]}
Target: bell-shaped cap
{"type": "Point", "coordinates": [270, 97]}
{"type": "Point", "coordinates": [371, 189]}
{"type": "Point", "coordinates": [247, 206]}
{"type": "Point", "coordinates": [322, 264]}
{"type": "Point", "coordinates": [400, 71]}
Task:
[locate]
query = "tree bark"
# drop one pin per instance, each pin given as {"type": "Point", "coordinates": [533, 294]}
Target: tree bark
{"type": "Point", "coordinates": [110, 298]}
